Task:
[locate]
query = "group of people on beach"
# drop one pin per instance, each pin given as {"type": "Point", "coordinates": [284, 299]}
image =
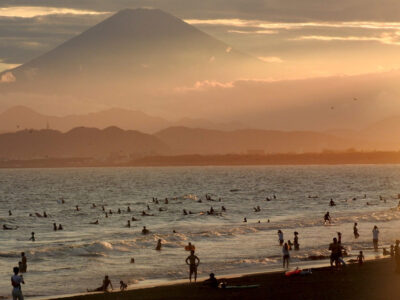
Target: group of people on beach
{"type": "Point", "coordinates": [193, 261]}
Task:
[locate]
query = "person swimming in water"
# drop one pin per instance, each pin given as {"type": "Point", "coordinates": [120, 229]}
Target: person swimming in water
{"type": "Point", "coordinates": [145, 230]}
{"type": "Point", "coordinates": [327, 218]}
{"type": "Point", "coordinates": [95, 222]}
{"type": "Point", "coordinates": [193, 261]}
{"type": "Point", "coordinates": [158, 247]}
{"type": "Point", "coordinates": [332, 203]}
{"type": "Point", "coordinates": [5, 227]}
{"type": "Point", "coordinates": [60, 227]}
{"type": "Point", "coordinates": [245, 220]}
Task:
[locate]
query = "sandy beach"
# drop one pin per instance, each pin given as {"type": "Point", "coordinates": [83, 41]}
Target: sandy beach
{"type": "Point", "coordinates": [373, 280]}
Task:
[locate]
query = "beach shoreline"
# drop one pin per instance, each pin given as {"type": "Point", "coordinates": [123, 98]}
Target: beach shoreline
{"type": "Point", "coordinates": [375, 279]}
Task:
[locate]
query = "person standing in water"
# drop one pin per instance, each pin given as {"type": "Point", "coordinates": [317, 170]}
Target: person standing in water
{"type": "Point", "coordinates": [24, 263]}
{"type": "Point", "coordinates": [16, 281]}
{"type": "Point", "coordinates": [158, 247]}
{"type": "Point", "coordinates": [375, 237]}
{"type": "Point", "coordinates": [355, 231]}
{"type": "Point", "coordinates": [104, 288]}
{"type": "Point", "coordinates": [32, 237]}
{"type": "Point", "coordinates": [286, 255]}
{"type": "Point", "coordinates": [193, 261]}
{"type": "Point", "coordinates": [296, 244]}
{"type": "Point", "coordinates": [280, 237]}
{"type": "Point", "coordinates": [327, 218]}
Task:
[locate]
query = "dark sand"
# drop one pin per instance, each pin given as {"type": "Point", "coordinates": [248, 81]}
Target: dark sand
{"type": "Point", "coordinates": [373, 280]}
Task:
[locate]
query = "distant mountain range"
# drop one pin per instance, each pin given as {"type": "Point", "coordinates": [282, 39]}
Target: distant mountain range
{"type": "Point", "coordinates": [20, 117]}
{"type": "Point", "coordinates": [116, 143]}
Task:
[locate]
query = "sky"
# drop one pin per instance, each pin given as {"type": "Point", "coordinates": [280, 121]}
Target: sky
{"type": "Point", "coordinates": [297, 40]}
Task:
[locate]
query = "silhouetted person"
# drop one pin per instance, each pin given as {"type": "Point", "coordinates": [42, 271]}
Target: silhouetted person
{"type": "Point", "coordinates": [24, 263]}
{"type": "Point", "coordinates": [280, 237]}
{"type": "Point", "coordinates": [158, 247]}
{"type": "Point", "coordinates": [54, 226]}
{"type": "Point", "coordinates": [296, 241]}
{"type": "Point", "coordinates": [211, 281]}
{"type": "Point", "coordinates": [193, 261]}
{"type": "Point", "coordinates": [355, 231]}
{"type": "Point", "coordinates": [104, 287]}
{"type": "Point", "coordinates": [32, 237]}
{"type": "Point", "coordinates": [327, 218]}
{"type": "Point", "coordinates": [128, 224]}
{"type": "Point", "coordinates": [60, 227]}
{"type": "Point", "coordinates": [375, 237]}
{"type": "Point", "coordinates": [145, 230]}
{"type": "Point", "coordinates": [286, 255]}
{"type": "Point", "coordinates": [9, 213]}
{"type": "Point", "coordinates": [122, 285]}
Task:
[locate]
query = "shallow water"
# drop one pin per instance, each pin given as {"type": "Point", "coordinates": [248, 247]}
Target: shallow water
{"type": "Point", "coordinates": [77, 258]}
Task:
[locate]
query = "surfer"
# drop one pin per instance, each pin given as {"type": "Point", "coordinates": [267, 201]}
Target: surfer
{"type": "Point", "coordinates": [355, 231]}
{"type": "Point", "coordinates": [5, 227]}
{"type": "Point", "coordinates": [95, 222]}
{"type": "Point", "coordinates": [332, 203]}
{"type": "Point", "coordinates": [327, 218]}
{"type": "Point", "coordinates": [280, 237]}
{"type": "Point", "coordinates": [134, 219]}
{"type": "Point", "coordinates": [193, 261]}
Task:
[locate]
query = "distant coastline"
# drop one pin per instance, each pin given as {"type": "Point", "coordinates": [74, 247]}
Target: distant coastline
{"type": "Point", "coordinates": [323, 158]}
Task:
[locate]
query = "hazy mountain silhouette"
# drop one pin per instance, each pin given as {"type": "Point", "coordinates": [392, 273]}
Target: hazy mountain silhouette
{"type": "Point", "coordinates": [96, 143]}
{"type": "Point", "coordinates": [201, 141]}
{"type": "Point", "coordinates": [135, 49]}
{"type": "Point", "coordinates": [79, 142]}
{"type": "Point", "coordinates": [20, 117]}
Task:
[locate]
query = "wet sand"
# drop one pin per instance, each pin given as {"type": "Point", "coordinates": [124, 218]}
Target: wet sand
{"type": "Point", "coordinates": [373, 280]}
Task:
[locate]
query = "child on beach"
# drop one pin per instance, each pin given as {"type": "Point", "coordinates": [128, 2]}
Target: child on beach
{"type": "Point", "coordinates": [360, 258]}
{"type": "Point", "coordinates": [122, 285]}
{"type": "Point", "coordinates": [286, 255]}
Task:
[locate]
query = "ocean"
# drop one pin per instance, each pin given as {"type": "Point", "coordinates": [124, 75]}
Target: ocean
{"type": "Point", "coordinates": [78, 257]}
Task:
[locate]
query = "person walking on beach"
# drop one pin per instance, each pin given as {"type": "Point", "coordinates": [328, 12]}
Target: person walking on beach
{"type": "Point", "coordinates": [24, 263]}
{"type": "Point", "coordinates": [286, 255]}
{"type": "Point", "coordinates": [193, 261]}
{"type": "Point", "coordinates": [375, 237]}
{"type": "Point", "coordinates": [355, 231]}
{"type": "Point", "coordinates": [16, 281]}
{"type": "Point", "coordinates": [280, 237]}
{"type": "Point", "coordinates": [334, 248]}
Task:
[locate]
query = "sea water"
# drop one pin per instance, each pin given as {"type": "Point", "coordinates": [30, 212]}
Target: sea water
{"type": "Point", "coordinates": [78, 257]}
